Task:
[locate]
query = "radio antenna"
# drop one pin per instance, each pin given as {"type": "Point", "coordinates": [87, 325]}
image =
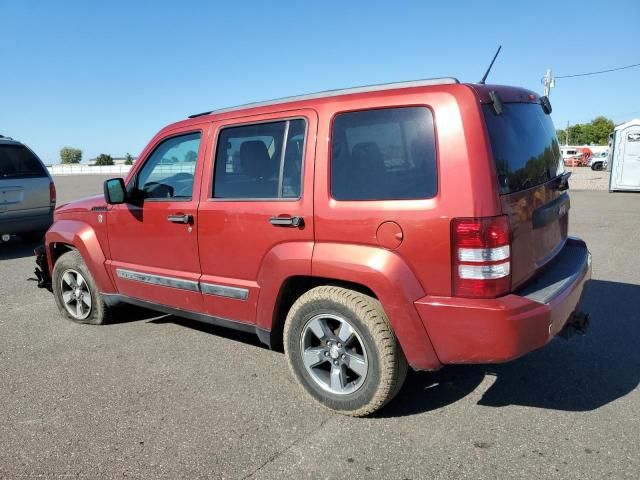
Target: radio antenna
{"type": "Point", "coordinates": [481, 82]}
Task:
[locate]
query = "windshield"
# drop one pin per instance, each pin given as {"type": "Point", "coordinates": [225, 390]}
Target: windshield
{"type": "Point", "coordinates": [17, 161]}
{"type": "Point", "coordinates": [524, 144]}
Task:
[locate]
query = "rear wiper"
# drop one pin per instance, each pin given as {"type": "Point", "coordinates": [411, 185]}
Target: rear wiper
{"type": "Point", "coordinates": [562, 181]}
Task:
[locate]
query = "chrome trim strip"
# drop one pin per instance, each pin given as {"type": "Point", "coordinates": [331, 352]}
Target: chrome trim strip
{"type": "Point", "coordinates": [171, 282]}
{"type": "Point", "coordinates": [224, 291]}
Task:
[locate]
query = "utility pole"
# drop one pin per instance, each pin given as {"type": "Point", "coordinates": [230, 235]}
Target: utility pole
{"type": "Point", "coordinates": [549, 82]}
{"type": "Point", "coordinates": [566, 137]}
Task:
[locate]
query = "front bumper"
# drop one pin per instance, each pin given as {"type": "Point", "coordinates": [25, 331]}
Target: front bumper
{"type": "Point", "coordinates": [466, 330]}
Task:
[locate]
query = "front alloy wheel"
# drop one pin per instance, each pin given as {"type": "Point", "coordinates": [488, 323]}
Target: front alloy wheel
{"type": "Point", "coordinates": [76, 294]}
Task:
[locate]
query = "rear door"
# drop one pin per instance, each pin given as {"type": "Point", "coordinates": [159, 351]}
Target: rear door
{"type": "Point", "coordinates": [256, 208]}
{"type": "Point", "coordinates": [528, 161]}
{"type": "Point", "coordinates": [24, 183]}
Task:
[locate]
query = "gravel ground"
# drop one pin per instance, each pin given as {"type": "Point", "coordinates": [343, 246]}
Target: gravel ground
{"type": "Point", "coordinates": [161, 397]}
{"type": "Point", "coordinates": [583, 178]}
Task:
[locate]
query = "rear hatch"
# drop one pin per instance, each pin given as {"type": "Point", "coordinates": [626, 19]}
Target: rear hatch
{"type": "Point", "coordinates": [529, 167]}
{"type": "Point", "coordinates": [24, 182]}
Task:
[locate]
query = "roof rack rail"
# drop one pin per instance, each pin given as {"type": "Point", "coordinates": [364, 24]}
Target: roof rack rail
{"type": "Point", "coordinates": [335, 93]}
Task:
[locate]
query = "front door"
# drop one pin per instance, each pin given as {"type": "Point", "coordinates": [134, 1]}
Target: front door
{"type": "Point", "coordinates": [256, 210]}
{"type": "Point", "coordinates": [153, 239]}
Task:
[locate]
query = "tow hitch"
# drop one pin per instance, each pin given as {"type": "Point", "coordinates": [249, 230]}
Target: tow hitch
{"type": "Point", "coordinates": [578, 324]}
{"type": "Point", "coordinates": [42, 268]}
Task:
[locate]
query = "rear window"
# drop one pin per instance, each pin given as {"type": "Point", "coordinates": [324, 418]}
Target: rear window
{"type": "Point", "coordinates": [385, 154]}
{"type": "Point", "coordinates": [17, 161]}
{"type": "Point", "coordinates": [524, 144]}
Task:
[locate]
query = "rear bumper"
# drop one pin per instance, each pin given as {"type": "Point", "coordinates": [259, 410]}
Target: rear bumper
{"type": "Point", "coordinates": [497, 330]}
{"type": "Point", "coordinates": [26, 224]}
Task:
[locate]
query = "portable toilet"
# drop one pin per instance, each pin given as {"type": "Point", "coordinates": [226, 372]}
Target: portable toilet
{"type": "Point", "coordinates": [625, 157]}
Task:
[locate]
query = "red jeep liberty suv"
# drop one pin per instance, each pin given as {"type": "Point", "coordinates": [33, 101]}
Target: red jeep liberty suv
{"type": "Point", "coordinates": [364, 230]}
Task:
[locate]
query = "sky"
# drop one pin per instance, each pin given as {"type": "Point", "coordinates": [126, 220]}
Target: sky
{"type": "Point", "coordinates": [106, 76]}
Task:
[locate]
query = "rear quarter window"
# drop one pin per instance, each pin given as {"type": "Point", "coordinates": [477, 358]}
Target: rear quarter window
{"type": "Point", "coordinates": [17, 161]}
{"type": "Point", "coordinates": [383, 154]}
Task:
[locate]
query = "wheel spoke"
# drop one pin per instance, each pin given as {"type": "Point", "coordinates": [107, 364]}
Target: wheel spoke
{"type": "Point", "coordinates": [67, 297]}
{"type": "Point", "coordinates": [345, 334]}
{"type": "Point", "coordinates": [68, 279]}
{"type": "Point", "coordinates": [320, 328]}
{"type": "Point", "coordinates": [81, 283]}
{"type": "Point", "coordinates": [356, 363]}
{"type": "Point", "coordinates": [86, 299]}
{"type": "Point", "coordinates": [337, 378]}
{"type": "Point", "coordinates": [79, 308]}
{"type": "Point", "coordinates": [314, 356]}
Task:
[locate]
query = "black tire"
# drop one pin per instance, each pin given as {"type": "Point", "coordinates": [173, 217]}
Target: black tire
{"type": "Point", "coordinates": [386, 363]}
{"type": "Point", "coordinates": [99, 312]}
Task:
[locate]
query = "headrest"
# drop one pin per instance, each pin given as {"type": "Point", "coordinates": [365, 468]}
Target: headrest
{"type": "Point", "coordinates": [367, 154]}
{"type": "Point", "coordinates": [254, 158]}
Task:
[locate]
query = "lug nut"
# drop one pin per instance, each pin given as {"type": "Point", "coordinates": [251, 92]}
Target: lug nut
{"type": "Point", "coordinates": [339, 345]}
{"type": "Point", "coordinates": [344, 357]}
{"type": "Point", "coordinates": [335, 362]}
{"type": "Point", "coordinates": [326, 354]}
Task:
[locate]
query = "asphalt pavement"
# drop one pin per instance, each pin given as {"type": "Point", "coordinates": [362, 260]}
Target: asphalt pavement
{"type": "Point", "coordinates": [160, 397]}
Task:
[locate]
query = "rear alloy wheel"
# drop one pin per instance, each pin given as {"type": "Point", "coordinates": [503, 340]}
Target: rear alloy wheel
{"type": "Point", "coordinates": [333, 354]}
{"type": "Point", "coordinates": [342, 350]}
{"type": "Point", "coordinates": [76, 293]}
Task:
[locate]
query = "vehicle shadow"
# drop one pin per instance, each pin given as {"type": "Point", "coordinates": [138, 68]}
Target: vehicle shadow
{"type": "Point", "coordinates": [17, 248]}
{"type": "Point", "coordinates": [581, 374]}
{"type": "Point", "coordinates": [228, 333]}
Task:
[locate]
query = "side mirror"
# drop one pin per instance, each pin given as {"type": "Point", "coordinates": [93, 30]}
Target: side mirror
{"type": "Point", "coordinates": [115, 191]}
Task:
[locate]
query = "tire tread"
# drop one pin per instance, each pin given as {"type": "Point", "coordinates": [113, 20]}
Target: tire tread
{"type": "Point", "coordinates": [393, 365]}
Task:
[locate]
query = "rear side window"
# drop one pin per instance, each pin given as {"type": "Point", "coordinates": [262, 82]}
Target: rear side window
{"type": "Point", "coordinates": [385, 154]}
{"type": "Point", "coordinates": [260, 161]}
{"type": "Point", "coordinates": [17, 161]}
{"type": "Point", "coordinates": [524, 144]}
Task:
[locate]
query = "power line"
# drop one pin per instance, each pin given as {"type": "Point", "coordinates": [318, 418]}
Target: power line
{"type": "Point", "coordinates": [601, 71]}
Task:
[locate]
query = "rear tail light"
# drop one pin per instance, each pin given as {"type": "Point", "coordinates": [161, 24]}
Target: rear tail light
{"type": "Point", "coordinates": [481, 257]}
{"type": "Point", "coordinates": [52, 193]}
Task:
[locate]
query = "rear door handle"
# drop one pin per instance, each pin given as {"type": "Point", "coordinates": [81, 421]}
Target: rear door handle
{"type": "Point", "coordinates": [180, 218]}
{"type": "Point", "coordinates": [296, 222]}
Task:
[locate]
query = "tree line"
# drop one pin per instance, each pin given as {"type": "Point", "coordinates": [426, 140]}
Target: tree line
{"type": "Point", "coordinates": [70, 155]}
{"type": "Point", "coordinates": [596, 132]}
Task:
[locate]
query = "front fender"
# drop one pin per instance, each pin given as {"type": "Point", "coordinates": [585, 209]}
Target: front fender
{"type": "Point", "coordinates": [395, 285]}
{"type": "Point", "coordinates": [81, 236]}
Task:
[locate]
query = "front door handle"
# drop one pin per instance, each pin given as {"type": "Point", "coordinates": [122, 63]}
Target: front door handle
{"type": "Point", "coordinates": [180, 218]}
{"type": "Point", "coordinates": [296, 222]}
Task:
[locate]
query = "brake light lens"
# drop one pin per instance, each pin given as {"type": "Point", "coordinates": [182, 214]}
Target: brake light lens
{"type": "Point", "coordinates": [52, 193]}
{"type": "Point", "coordinates": [481, 260]}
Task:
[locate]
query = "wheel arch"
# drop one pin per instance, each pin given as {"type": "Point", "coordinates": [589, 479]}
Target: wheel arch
{"type": "Point", "coordinates": [65, 235]}
{"type": "Point", "coordinates": [374, 271]}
